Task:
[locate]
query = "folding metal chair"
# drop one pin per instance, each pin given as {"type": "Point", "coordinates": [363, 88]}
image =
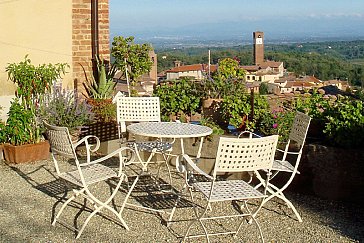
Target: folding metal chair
{"type": "Point", "coordinates": [143, 109]}
{"type": "Point", "coordinates": [85, 174]}
{"type": "Point", "coordinates": [289, 160]}
{"type": "Point", "coordinates": [234, 155]}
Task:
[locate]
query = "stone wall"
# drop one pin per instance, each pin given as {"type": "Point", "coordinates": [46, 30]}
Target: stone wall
{"type": "Point", "coordinates": [331, 173]}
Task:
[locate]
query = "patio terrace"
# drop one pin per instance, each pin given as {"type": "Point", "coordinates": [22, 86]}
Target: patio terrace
{"type": "Point", "coordinates": [30, 195]}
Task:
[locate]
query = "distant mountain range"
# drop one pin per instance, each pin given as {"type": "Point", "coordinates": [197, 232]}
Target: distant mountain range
{"type": "Point", "coordinates": [240, 33]}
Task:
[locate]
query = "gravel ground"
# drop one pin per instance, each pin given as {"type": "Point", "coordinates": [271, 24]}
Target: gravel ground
{"type": "Point", "coordinates": [30, 194]}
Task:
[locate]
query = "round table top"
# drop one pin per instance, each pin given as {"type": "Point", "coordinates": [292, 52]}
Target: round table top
{"type": "Point", "coordinates": [169, 130]}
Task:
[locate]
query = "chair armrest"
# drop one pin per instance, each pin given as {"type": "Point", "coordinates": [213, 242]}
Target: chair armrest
{"type": "Point", "coordinates": [182, 168]}
{"type": "Point", "coordinates": [251, 134]}
{"type": "Point", "coordinates": [121, 158]}
{"type": "Point", "coordinates": [88, 146]}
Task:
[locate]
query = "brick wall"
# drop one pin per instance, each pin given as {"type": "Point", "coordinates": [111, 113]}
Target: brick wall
{"type": "Point", "coordinates": [81, 38]}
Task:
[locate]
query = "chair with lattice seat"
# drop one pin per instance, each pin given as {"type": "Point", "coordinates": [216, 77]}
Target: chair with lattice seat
{"type": "Point", "coordinates": [234, 155]}
{"type": "Point", "coordinates": [142, 109]}
{"type": "Point", "coordinates": [82, 175]}
{"type": "Point", "coordinates": [288, 160]}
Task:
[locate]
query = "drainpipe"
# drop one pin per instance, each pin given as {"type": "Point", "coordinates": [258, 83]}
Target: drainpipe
{"type": "Point", "coordinates": [95, 35]}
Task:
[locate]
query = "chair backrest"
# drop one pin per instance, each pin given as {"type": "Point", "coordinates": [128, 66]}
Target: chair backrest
{"type": "Point", "coordinates": [245, 154]}
{"type": "Point", "coordinates": [299, 128]}
{"type": "Point", "coordinates": [61, 144]}
{"type": "Point", "coordinates": [137, 109]}
{"type": "Point", "coordinates": [60, 140]}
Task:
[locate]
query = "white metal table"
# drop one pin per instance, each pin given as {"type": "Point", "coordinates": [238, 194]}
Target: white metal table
{"type": "Point", "coordinates": [174, 130]}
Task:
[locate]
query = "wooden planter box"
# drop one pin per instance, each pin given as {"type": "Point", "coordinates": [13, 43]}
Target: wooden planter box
{"type": "Point", "coordinates": [26, 153]}
{"type": "Point", "coordinates": [105, 131]}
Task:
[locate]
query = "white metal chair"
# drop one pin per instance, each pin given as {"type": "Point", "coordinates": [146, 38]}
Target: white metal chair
{"type": "Point", "coordinates": [142, 109]}
{"type": "Point", "coordinates": [234, 155]}
{"type": "Point", "coordinates": [288, 160]}
{"type": "Point", "coordinates": [85, 174]}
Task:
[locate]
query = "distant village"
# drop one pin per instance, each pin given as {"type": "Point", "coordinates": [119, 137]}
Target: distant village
{"type": "Point", "coordinates": [273, 73]}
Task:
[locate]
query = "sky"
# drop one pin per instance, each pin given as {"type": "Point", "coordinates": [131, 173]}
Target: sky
{"type": "Point", "coordinates": [217, 17]}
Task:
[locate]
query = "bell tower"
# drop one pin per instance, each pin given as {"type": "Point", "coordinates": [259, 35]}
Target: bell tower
{"type": "Point", "coordinates": [258, 44]}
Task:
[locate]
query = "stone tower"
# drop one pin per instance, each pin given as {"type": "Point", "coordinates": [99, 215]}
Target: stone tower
{"type": "Point", "coordinates": [258, 44]}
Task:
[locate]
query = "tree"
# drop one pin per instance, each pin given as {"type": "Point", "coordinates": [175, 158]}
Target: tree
{"type": "Point", "coordinates": [229, 68]}
{"type": "Point", "coordinates": [131, 57]}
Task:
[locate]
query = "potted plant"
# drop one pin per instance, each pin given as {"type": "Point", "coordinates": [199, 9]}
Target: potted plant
{"type": "Point", "coordinates": [99, 91]}
{"type": "Point", "coordinates": [131, 59]}
{"type": "Point", "coordinates": [60, 108]}
{"type": "Point", "coordinates": [237, 110]}
{"type": "Point", "coordinates": [24, 139]}
{"type": "Point", "coordinates": [178, 98]}
{"type": "Point", "coordinates": [228, 77]}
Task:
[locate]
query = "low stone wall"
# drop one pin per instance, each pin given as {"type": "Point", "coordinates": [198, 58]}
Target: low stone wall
{"type": "Point", "coordinates": [331, 173]}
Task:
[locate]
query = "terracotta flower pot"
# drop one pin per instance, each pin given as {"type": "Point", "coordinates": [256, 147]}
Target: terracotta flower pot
{"type": "Point", "coordinates": [26, 153]}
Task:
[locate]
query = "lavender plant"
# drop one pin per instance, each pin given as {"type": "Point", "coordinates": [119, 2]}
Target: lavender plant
{"type": "Point", "coordinates": [62, 109]}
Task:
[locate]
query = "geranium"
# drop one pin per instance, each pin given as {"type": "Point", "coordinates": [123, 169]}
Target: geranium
{"type": "Point", "coordinates": [278, 121]}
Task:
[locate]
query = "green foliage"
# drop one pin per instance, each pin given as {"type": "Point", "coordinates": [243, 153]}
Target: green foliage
{"type": "Point", "coordinates": [345, 123]}
{"type": "Point", "coordinates": [216, 129]}
{"type": "Point", "coordinates": [229, 69]}
{"type": "Point", "coordinates": [21, 127]}
{"type": "Point", "coordinates": [104, 109]}
{"type": "Point", "coordinates": [228, 77]}
{"type": "Point", "coordinates": [315, 105]}
{"type": "Point", "coordinates": [133, 57]}
{"type": "Point", "coordinates": [278, 121]}
{"type": "Point", "coordinates": [263, 88]}
{"type": "Point", "coordinates": [178, 96]}
{"type": "Point", "coordinates": [60, 108]}
{"type": "Point", "coordinates": [236, 110]}
{"type": "Point", "coordinates": [341, 117]}
{"type": "Point", "coordinates": [101, 87]}
{"type": "Point", "coordinates": [195, 55]}
{"type": "Point", "coordinates": [33, 81]}
{"type": "Point", "coordinates": [2, 130]}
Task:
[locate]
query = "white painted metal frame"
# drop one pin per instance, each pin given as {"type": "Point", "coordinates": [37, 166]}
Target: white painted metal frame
{"type": "Point", "coordinates": [143, 109]}
{"type": "Point", "coordinates": [172, 130]}
{"type": "Point", "coordinates": [233, 155]}
{"type": "Point", "coordinates": [86, 173]}
{"type": "Point", "coordinates": [297, 140]}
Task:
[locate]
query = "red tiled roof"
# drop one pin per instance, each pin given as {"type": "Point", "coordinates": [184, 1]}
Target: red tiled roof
{"type": "Point", "coordinates": [250, 68]}
{"type": "Point", "coordinates": [271, 64]}
{"type": "Point", "coordinates": [192, 67]}
{"type": "Point", "coordinates": [298, 84]}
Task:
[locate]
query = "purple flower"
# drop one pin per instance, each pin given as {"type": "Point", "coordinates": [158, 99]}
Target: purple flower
{"type": "Point", "coordinates": [275, 125]}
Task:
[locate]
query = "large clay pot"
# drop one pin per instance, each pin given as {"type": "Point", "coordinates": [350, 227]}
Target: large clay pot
{"type": "Point", "coordinates": [211, 108]}
{"type": "Point", "coordinates": [26, 153]}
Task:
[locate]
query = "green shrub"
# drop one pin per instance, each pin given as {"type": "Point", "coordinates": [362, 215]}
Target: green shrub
{"type": "Point", "coordinates": [21, 125]}
{"type": "Point", "coordinates": [178, 96]}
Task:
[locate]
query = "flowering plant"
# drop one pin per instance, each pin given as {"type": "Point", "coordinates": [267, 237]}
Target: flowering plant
{"type": "Point", "coordinates": [279, 121]}
{"type": "Point", "coordinates": [60, 108]}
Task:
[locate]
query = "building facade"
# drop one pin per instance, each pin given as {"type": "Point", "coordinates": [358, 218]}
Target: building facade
{"type": "Point", "coordinates": [52, 32]}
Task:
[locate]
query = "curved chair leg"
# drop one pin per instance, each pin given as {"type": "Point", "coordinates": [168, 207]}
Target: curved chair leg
{"type": "Point", "coordinates": [278, 192]}
{"type": "Point", "coordinates": [102, 205]}
{"type": "Point", "coordinates": [75, 194]}
{"type": "Point", "coordinates": [198, 219]}
{"type": "Point", "coordinates": [280, 195]}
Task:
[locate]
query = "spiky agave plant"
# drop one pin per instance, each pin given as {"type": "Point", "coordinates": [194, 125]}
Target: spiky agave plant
{"type": "Point", "coordinates": [102, 86]}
